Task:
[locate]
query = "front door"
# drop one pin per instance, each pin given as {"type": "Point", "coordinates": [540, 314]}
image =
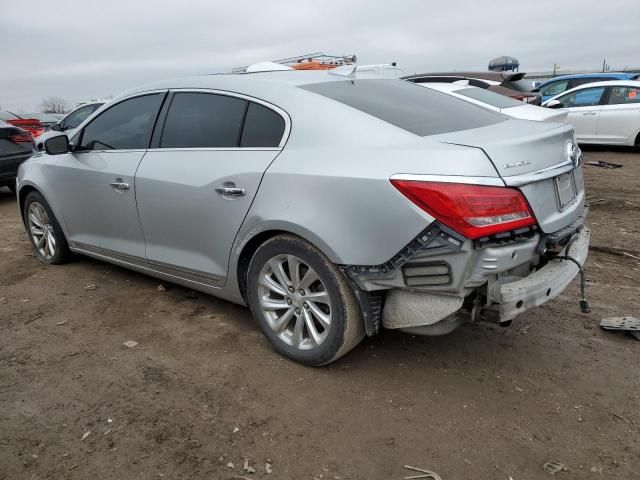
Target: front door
{"type": "Point", "coordinates": [196, 187]}
{"type": "Point", "coordinates": [99, 204]}
{"type": "Point", "coordinates": [584, 109]}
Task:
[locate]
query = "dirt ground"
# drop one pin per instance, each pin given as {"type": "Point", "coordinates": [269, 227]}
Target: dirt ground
{"type": "Point", "coordinates": [203, 389]}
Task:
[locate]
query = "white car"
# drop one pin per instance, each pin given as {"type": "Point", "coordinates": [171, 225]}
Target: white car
{"type": "Point", "coordinates": [603, 112]}
{"type": "Point", "coordinates": [499, 103]}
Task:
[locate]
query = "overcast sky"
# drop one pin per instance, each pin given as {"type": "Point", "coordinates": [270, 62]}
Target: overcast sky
{"type": "Point", "coordinates": [90, 49]}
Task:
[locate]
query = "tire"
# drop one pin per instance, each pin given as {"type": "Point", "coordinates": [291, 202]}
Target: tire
{"type": "Point", "coordinates": [38, 217]}
{"type": "Point", "coordinates": [316, 323]}
{"type": "Point", "coordinates": [12, 187]}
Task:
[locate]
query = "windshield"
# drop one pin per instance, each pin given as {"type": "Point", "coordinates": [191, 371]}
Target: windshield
{"type": "Point", "coordinates": [418, 110]}
{"type": "Point", "coordinates": [491, 98]}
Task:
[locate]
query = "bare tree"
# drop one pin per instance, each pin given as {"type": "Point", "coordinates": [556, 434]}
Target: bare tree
{"type": "Point", "coordinates": [54, 104]}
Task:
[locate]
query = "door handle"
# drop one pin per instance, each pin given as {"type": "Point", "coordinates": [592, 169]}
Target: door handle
{"type": "Point", "coordinates": [119, 186]}
{"type": "Point", "coordinates": [230, 191]}
{"type": "Point", "coordinates": [590, 113]}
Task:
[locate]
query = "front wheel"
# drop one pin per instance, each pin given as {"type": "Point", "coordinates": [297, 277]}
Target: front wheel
{"type": "Point", "coordinates": [44, 231]}
{"type": "Point", "coordinates": [302, 302]}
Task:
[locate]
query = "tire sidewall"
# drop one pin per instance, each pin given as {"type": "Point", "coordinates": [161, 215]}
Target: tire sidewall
{"type": "Point", "coordinates": [326, 351]}
{"type": "Point", "coordinates": [61, 242]}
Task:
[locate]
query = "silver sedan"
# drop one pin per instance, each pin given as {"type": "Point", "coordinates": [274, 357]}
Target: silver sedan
{"type": "Point", "coordinates": [331, 205]}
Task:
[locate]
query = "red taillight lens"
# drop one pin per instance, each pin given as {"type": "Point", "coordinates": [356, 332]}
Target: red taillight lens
{"type": "Point", "coordinates": [24, 137]}
{"type": "Point", "coordinates": [475, 211]}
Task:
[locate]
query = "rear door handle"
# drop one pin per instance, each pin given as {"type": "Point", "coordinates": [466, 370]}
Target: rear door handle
{"type": "Point", "coordinates": [231, 191]}
{"type": "Point", "coordinates": [119, 186]}
{"type": "Point", "coordinates": [590, 113]}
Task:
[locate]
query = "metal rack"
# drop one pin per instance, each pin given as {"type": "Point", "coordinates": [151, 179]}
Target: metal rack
{"type": "Point", "coordinates": [310, 61]}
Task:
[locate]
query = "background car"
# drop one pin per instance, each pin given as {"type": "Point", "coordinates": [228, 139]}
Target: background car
{"type": "Point", "coordinates": [499, 103]}
{"type": "Point", "coordinates": [603, 112]}
{"type": "Point", "coordinates": [69, 121]}
{"type": "Point", "coordinates": [31, 125]}
{"type": "Point", "coordinates": [558, 85]}
{"type": "Point", "coordinates": [45, 119]}
{"type": "Point", "coordinates": [389, 204]}
{"type": "Point", "coordinates": [16, 145]}
{"type": "Point", "coordinates": [509, 84]}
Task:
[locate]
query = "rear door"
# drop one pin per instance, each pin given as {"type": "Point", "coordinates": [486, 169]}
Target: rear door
{"type": "Point", "coordinates": [96, 181]}
{"type": "Point", "coordinates": [196, 184]}
{"type": "Point", "coordinates": [584, 109]}
{"type": "Point", "coordinates": [619, 119]}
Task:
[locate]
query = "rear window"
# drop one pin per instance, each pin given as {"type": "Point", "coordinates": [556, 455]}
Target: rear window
{"type": "Point", "coordinates": [7, 116]}
{"type": "Point", "coordinates": [520, 85]}
{"type": "Point", "coordinates": [416, 109]}
{"type": "Point", "coordinates": [487, 96]}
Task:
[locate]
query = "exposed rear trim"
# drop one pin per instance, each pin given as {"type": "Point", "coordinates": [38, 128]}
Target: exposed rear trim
{"type": "Point", "coordinates": [488, 181]}
{"type": "Point", "coordinates": [543, 174]}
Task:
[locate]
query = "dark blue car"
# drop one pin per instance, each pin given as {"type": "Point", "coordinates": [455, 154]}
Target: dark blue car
{"type": "Point", "coordinates": [558, 85]}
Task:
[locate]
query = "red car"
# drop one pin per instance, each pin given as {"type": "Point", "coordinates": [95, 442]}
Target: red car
{"type": "Point", "coordinates": [31, 125]}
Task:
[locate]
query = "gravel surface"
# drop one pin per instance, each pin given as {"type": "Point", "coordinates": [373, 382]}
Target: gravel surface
{"type": "Point", "coordinates": [201, 394]}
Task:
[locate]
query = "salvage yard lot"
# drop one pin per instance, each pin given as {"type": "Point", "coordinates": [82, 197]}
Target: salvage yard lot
{"type": "Point", "coordinates": [202, 389]}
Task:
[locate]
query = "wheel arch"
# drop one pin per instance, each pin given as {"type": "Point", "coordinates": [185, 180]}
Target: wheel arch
{"type": "Point", "coordinates": [22, 196]}
{"type": "Point", "coordinates": [253, 240]}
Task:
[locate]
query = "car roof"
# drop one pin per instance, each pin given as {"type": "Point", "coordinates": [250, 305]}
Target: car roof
{"type": "Point", "coordinates": [608, 83]}
{"type": "Point", "coordinates": [498, 76]}
{"type": "Point", "coordinates": [617, 75]}
{"type": "Point", "coordinates": [272, 86]}
{"type": "Point", "coordinates": [445, 86]}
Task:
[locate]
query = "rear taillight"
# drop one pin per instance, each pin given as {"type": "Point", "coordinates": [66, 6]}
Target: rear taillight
{"type": "Point", "coordinates": [475, 211]}
{"type": "Point", "coordinates": [24, 137]}
{"type": "Point", "coordinates": [32, 125]}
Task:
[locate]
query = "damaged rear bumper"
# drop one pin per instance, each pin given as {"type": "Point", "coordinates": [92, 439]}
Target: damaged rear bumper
{"type": "Point", "coordinates": [433, 313]}
{"type": "Point", "coordinates": [544, 284]}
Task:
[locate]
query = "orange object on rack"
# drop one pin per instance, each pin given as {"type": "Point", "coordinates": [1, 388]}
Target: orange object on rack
{"type": "Point", "coordinates": [313, 65]}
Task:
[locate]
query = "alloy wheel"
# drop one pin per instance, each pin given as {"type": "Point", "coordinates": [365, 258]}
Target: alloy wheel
{"type": "Point", "coordinates": [295, 302]}
{"type": "Point", "coordinates": [41, 230]}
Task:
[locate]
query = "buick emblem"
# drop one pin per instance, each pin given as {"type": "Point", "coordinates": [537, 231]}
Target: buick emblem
{"type": "Point", "coordinates": [574, 154]}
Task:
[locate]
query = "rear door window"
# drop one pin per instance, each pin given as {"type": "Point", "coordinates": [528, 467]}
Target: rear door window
{"type": "Point", "coordinates": [203, 120]}
{"type": "Point", "coordinates": [624, 95]}
{"type": "Point", "coordinates": [262, 127]}
{"type": "Point", "coordinates": [422, 111]}
{"type": "Point", "coordinates": [126, 125]}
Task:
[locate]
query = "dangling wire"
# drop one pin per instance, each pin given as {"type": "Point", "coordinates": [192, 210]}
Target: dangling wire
{"type": "Point", "coordinates": [584, 304]}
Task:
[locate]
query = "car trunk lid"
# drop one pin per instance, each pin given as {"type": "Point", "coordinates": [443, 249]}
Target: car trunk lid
{"type": "Point", "coordinates": [533, 157]}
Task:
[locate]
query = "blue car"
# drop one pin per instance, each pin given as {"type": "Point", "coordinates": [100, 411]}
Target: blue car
{"type": "Point", "coordinates": [557, 85]}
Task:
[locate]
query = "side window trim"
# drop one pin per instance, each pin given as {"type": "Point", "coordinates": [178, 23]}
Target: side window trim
{"type": "Point", "coordinates": [156, 137]}
{"type": "Point", "coordinates": [80, 134]}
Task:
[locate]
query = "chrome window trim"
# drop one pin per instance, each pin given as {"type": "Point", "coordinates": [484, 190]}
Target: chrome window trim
{"type": "Point", "coordinates": [487, 181]}
{"type": "Point", "coordinates": [214, 91]}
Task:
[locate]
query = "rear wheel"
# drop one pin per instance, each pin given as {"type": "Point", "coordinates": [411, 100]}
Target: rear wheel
{"type": "Point", "coordinates": [302, 302]}
{"type": "Point", "coordinates": [44, 231]}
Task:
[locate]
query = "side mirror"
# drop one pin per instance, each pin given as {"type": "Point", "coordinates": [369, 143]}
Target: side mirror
{"type": "Point", "coordinates": [554, 104]}
{"type": "Point", "coordinates": [57, 127]}
{"type": "Point", "coordinates": [57, 145]}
